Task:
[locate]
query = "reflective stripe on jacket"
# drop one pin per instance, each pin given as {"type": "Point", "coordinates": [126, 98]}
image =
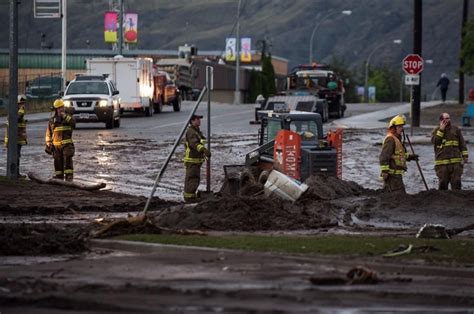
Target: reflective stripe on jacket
{"type": "Point", "coordinates": [449, 146]}
{"type": "Point", "coordinates": [59, 131]}
{"type": "Point", "coordinates": [21, 128]}
{"type": "Point", "coordinates": [194, 146]}
{"type": "Point", "coordinates": [393, 156]}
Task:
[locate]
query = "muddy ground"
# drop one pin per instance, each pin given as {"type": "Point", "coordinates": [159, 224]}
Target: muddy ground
{"type": "Point", "coordinates": [329, 204]}
{"type": "Point", "coordinates": [51, 221]}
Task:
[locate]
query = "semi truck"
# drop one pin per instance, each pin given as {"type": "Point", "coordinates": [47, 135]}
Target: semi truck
{"type": "Point", "coordinates": [180, 72]}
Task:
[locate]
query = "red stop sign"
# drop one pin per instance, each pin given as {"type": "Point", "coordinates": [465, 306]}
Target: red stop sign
{"type": "Point", "coordinates": [413, 64]}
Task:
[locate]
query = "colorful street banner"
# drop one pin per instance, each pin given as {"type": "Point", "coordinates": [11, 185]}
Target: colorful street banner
{"type": "Point", "coordinates": [230, 49]}
{"type": "Point", "coordinates": [245, 53]}
{"type": "Point", "coordinates": [130, 29]}
{"type": "Point", "coordinates": [110, 27]}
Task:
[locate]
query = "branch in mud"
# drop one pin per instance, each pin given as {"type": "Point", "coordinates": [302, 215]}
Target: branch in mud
{"type": "Point", "coordinates": [140, 224]}
{"type": "Point", "coordinates": [77, 185]}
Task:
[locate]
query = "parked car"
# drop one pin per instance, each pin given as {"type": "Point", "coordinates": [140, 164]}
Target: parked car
{"type": "Point", "coordinates": [93, 99]}
{"type": "Point", "coordinates": [44, 87]}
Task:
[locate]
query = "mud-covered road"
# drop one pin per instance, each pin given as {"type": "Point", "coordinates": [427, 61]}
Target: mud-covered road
{"type": "Point", "coordinates": [49, 264]}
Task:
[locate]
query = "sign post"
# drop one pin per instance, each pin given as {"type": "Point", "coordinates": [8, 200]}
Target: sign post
{"type": "Point", "coordinates": [412, 65]}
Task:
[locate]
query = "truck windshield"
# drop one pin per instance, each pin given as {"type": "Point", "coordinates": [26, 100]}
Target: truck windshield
{"type": "Point", "coordinates": [307, 129]}
{"type": "Point", "coordinates": [76, 88]}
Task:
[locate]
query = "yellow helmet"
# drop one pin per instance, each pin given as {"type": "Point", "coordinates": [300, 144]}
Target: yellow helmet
{"type": "Point", "coordinates": [58, 103]}
{"type": "Point", "coordinates": [397, 120]}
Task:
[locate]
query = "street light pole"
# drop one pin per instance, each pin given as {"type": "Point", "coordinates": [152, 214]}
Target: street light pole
{"type": "Point", "coordinates": [120, 28]}
{"type": "Point", "coordinates": [237, 59]}
{"type": "Point", "coordinates": [64, 44]}
{"type": "Point", "coordinates": [12, 153]}
{"type": "Point", "coordinates": [366, 76]}
{"type": "Point", "coordinates": [316, 27]}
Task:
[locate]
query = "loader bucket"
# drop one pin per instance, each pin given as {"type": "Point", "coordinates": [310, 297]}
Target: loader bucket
{"type": "Point", "coordinates": [232, 174]}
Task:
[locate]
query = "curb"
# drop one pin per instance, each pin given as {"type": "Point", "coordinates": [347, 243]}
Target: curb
{"type": "Point", "coordinates": [142, 247]}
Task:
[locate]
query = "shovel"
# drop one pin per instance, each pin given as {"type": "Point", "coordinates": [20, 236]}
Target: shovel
{"type": "Point", "coordinates": [417, 163]}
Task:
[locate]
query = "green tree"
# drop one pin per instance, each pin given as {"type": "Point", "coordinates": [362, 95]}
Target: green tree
{"type": "Point", "coordinates": [467, 51]}
{"type": "Point", "coordinates": [387, 83]}
{"type": "Point", "coordinates": [262, 82]}
{"type": "Point", "coordinates": [340, 67]}
{"type": "Point", "coordinates": [256, 87]}
{"type": "Point", "coordinates": [268, 75]}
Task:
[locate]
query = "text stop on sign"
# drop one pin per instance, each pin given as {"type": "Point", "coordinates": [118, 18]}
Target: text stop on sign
{"type": "Point", "coordinates": [413, 64]}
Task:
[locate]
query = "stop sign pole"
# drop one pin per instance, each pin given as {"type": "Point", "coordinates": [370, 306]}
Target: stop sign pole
{"type": "Point", "coordinates": [413, 65]}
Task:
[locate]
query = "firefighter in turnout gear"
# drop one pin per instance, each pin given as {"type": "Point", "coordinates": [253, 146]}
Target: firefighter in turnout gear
{"type": "Point", "coordinates": [450, 153]}
{"type": "Point", "coordinates": [393, 157]}
{"type": "Point", "coordinates": [59, 141]}
{"type": "Point", "coordinates": [21, 129]}
{"type": "Point", "coordinates": [194, 156]}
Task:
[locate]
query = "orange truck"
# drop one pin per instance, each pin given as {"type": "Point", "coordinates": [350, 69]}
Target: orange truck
{"type": "Point", "coordinates": [165, 92]}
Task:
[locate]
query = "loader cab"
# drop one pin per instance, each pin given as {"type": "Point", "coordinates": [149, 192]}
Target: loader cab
{"type": "Point", "coordinates": [308, 125]}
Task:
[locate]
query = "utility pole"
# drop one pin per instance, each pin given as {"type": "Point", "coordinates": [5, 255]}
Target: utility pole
{"type": "Point", "coordinates": [12, 154]}
{"type": "Point", "coordinates": [120, 28]}
{"type": "Point", "coordinates": [237, 59]}
{"type": "Point", "coordinates": [417, 36]}
{"type": "Point", "coordinates": [64, 43]}
{"type": "Point", "coordinates": [465, 11]}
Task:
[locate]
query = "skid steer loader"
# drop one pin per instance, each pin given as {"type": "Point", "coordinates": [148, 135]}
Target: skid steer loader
{"type": "Point", "coordinates": [291, 142]}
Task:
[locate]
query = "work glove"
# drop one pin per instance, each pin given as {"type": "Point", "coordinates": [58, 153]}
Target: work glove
{"type": "Point", "coordinates": [207, 153]}
{"type": "Point", "coordinates": [384, 176]}
{"type": "Point", "coordinates": [411, 157]}
{"type": "Point", "coordinates": [48, 149]}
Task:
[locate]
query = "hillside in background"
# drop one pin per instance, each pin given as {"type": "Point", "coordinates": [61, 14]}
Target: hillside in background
{"type": "Point", "coordinates": [286, 25]}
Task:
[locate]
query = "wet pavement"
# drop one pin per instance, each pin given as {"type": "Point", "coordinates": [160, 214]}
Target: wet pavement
{"type": "Point", "coordinates": [162, 278]}
{"type": "Point", "coordinates": [129, 158]}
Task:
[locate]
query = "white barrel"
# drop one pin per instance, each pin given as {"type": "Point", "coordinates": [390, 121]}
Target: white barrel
{"type": "Point", "coordinates": [284, 186]}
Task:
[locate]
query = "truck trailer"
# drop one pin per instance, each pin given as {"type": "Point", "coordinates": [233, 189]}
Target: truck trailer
{"type": "Point", "coordinates": [133, 78]}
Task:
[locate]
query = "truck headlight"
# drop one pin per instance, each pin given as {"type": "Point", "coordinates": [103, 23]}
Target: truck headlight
{"type": "Point", "coordinates": [67, 103]}
{"type": "Point", "coordinates": [103, 103]}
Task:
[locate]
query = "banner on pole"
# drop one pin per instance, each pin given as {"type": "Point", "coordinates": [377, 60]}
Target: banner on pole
{"type": "Point", "coordinates": [230, 49]}
{"type": "Point", "coordinates": [130, 31]}
{"type": "Point", "coordinates": [110, 27]}
{"type": "Point", "coordinates": [245, 53]}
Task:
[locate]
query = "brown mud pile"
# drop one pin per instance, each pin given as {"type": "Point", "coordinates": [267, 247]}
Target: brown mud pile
{"type": "Point", "coordinates": [450, 208]}
{"type": "Point", "coordinates": [28, 197]}
{"type": "Point", "coordinates": [330, 188]}
{"type": "Point", "coordinates": [329, 202]}
{"type": "Point", "coordinates": [246, 214]}
{"type": "Point", "coordinates": [259, 213]}
{"type": "Point", "coordinates": [42, 239]}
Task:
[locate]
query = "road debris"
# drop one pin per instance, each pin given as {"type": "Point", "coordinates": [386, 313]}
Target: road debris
{"type": "Point", "coordinates": [400, 250]}
{"type": "Point", "coordinates": [433, 231]}
{"type": "Point", "coordinates": [355, 276]}
{"type": "Point", "coordinates": [74, 184]}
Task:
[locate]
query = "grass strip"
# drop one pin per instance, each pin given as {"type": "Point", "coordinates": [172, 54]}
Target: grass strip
{"type": "Point", "coordinates": [458, 250]}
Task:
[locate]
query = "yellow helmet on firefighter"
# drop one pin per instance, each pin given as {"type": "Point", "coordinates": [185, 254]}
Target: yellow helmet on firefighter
{"type": "Point", "coordinates": [397, 120]}
{"type": "Point", "coordinates": [58, 103]}
{"type": "Point", "coordinates": [21, 99]}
